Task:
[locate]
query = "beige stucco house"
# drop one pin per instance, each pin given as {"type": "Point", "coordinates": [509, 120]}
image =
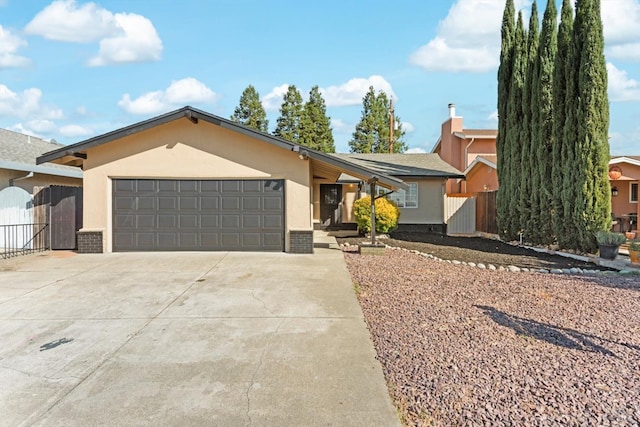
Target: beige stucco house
{"type": "Point", "coordinates": [189, 180]}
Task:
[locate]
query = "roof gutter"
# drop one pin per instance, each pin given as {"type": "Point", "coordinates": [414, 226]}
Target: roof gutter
{"type": "Point", "coordinates": [27, 176]}
{"type": "Point", "coordinates": [43, 169]}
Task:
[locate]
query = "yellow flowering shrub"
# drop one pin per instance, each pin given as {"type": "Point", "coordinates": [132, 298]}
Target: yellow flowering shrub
{"type": "Point", "coordinates": [387, 214]}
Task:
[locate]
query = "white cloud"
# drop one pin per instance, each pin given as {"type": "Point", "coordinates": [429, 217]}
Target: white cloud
{"type": "Point", "coordinates": [137, 42]}
{"type": "Point", "coordinates": [408, 127]}
{"type": "Point", "coordinates": [26, 105]}
{"type": "Point", "coordinates": [620, 20]}
{"type": "Point", "coordinates": [339, 126]}
{"type": "Point", "coordinates": [74, 131]}
{"type": "Point", "coordinates": [180, 92]}
{"type": "Point", "coordinates": [493, 117]}
{"type": "Point", "coordinates": [416, 150]}
{"type": "Point", "coordinates": [273, 100]}
{"type": "Point", "coordinates": [352, 92]}
{"type": "Point", "coordinates": [9, 45]}
{"type": "Point", "coordinates": [124, 37]}
{"type": "Point", "coordinates": [621, 87]}
{"type": "Point", "coordinates": [41, 126]}
{"type": "Point", "coordinates": [461, 43]}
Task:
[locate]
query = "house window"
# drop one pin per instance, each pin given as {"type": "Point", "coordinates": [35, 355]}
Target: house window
{"type": "Point", "coordinates": [406, 198]}
{"type": "Point", "coordinates": [633, 192]}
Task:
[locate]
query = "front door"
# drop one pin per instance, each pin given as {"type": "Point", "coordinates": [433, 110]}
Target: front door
{"type": "Point", "coordinates": [330, 205]}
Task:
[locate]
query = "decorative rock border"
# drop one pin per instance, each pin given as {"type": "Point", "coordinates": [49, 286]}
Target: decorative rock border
{"type": "Point", "coordinates": [511, 268]}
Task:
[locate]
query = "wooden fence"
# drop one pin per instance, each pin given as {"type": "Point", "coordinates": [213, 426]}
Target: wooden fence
{"type": "Point", "coordinates": [486, 211]}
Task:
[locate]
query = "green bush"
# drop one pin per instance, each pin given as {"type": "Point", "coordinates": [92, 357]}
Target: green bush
{"type": "Point", "coordinates": [607, 238]}
{"type": "Point", "coordinates": [387, 214]}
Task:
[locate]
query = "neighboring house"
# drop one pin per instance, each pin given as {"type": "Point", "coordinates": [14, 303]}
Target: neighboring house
{"type": "Point", "coordinates": [189, 180]}
{"type": "Point", "coordinates": [18, 166]}
{"type": "Point", "coordinates": [470, 150]}
{"type": "Point", "coordinates": [624, 176]}
{"type": "Point", "coordinates": [421, 203]}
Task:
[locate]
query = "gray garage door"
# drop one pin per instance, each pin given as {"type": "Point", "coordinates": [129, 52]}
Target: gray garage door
{"type": "Point", "coordinates": [197, 215]}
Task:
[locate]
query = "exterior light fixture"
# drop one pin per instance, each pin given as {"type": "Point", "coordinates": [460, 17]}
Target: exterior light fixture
{"type": "Point", "coordinates": [614, 191]}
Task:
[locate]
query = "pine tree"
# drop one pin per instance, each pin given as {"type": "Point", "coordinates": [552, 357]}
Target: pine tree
{"type": "Point", "coordinates": [316, 132]}
{"type": "Point", "coordinates": [561, 156]}
{"type": "Point", "coordinates": [543, 118]}
{"type": "Point", "coordinates": [527, 134]}
{"type": "Point", "coordinates": [504, 79]}
{"type": "Point", "coordinates": [250, 111]}
{"type": "Point", "coordinates": [593, 201]}
{"type": "Point", "coordinates": [289, 122]}
{"type": "Point", "coordinates": [515, 116]}
{"type": "Point", "coordinates": [372, 132]}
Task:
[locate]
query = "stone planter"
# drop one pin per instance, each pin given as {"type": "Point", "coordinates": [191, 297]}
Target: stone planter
{"type": "Point", "coordinates": [608, 251]}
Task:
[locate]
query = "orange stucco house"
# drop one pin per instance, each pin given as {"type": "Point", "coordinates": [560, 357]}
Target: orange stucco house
{"type": "Point", "coordinates": [190, 180]}
{"type": "Point", "coordinates": [472, 151]}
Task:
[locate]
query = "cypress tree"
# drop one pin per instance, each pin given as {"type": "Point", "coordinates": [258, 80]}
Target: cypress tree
{"type": "Point", "coordinates": [372, 132]}
{"type": "Point", "coordinates": [543, 118]}
{"type": "Point", "coordinates": [527, 131]}
{"type": "Point", "coordinates": [515, 117]}
{"type": "Point", "coordinates": [592, 210]}
{"type": "Point", "coordinates": [250, 111]}
{"type": "Point", "coordinates": [289, 122]}
{"type": "Point", "coordinates": [504, 79]}
{"type": "Point", "coordinates": [316, 132]}
{"type": "Point", "coordinates": [560, 144]}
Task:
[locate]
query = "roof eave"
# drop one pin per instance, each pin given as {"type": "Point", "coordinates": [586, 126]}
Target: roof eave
{"type": "Point", "coordinates": [46, 170]}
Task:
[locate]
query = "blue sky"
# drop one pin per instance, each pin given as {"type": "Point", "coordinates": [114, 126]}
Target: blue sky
{"type": "Point", "coordinates": [70, 70]}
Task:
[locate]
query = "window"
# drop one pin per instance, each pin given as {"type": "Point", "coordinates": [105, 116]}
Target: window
{"type": "Point", "coordinates": [406, 198]}
{"type": "Point", "coordinates": [633, 192]}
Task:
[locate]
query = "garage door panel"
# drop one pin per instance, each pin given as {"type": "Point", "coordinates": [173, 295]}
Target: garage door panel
{"type": "Point", "coordinates": [198, 215]}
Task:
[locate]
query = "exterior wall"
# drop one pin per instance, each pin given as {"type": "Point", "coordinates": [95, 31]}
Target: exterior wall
{"type": "Point", "coordinates": [430, 208]}
{"type": "Point", "coordinates": [621, 204]}
{"type": "Point", "coordinates": [450, 150]}
{"type": "Point", "coordinates": [481, 178]}
{"type": "Point", "coordinates": [181, 149]}
{"type": "Point", "coordinates": [478, 148]}
{"type": "Point", "coordinates": [38, 180]}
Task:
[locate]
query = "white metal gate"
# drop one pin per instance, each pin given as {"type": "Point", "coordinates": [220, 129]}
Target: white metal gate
{"type": "Point", "coordinates": [16, 211]}
{"type": "Point", "coordinates": [460, 214]}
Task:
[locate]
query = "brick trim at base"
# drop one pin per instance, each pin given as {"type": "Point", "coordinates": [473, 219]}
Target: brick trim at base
{"type": "Point", "coordinates": [301, 241]}
{"type": "Point", "coordinates": [90, 242]}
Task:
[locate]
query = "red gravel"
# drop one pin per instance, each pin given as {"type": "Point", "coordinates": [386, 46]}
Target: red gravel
{"type": "Point", "coordinates": [463, 346]}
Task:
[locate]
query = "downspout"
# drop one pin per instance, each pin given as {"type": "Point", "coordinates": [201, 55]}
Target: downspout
{"type": "Point", "coordinates": [466, 160]}
{"type": "Point", "coordinates": [27, 176]}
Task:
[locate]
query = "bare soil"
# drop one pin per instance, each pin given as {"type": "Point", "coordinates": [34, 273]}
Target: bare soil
{"type": "Point", "coordinates": [477, 250]}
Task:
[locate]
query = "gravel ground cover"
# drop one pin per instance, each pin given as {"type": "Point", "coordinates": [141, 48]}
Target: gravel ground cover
{"type": "Point", "coordinates": [477, 250]}
{"type": "Point", "coordinates": [462, 346]}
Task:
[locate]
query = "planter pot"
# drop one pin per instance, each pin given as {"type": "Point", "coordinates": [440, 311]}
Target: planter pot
{"type": "Point", "coordinates": [635, 257]}
{"type": "Point", "coordinates": [630, 235]}
{"type": "Point", "coordinates": [609, 252]}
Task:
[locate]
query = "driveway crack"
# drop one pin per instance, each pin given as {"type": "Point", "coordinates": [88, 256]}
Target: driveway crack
{"type": "Point", "coordinates": [260, 363]}
{"type": "Point", "coordinates": [253, 294]}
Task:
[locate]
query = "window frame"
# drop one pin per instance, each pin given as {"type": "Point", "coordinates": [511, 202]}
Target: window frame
{"type": "Point", "coordinates": [631, 192]}
{"type": "Point", "coordinates": [400, 197]}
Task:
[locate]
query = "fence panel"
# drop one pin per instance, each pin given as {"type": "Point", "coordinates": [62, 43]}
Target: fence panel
{"type": "Point", "coordinates": [460, 213]}
{"type": "Point", "coordinates": [486, 211]}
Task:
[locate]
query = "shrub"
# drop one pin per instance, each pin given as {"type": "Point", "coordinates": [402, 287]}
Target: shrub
{"type": "Point", "coordinates": [606, 238]}
{"type": "Point", "coordinates": [387, 214]}
{"type": "Point", "coordinates": [634, 246]}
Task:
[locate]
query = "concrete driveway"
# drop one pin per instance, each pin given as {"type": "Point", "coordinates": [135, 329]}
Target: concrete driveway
{"type": "Point", "coordinates": [215, 339]}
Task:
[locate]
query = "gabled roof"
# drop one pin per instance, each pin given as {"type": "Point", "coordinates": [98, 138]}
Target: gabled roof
{"type": "Point", "coordinates": [76, 152]}
{"type": "Point", "coordinates": [634, 160]}
{"type": "Point", "coordinates": [490, 161]}
{"type": "Point", "coordinates": [19, 152]}
{"type": "Point", "coordinates": [405, 165]}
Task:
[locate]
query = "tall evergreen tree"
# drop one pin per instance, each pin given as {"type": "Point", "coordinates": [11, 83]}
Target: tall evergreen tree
{"type": "Point", "coordinates": [527, 133]}
{"type": "Point", "coordinates": [542, 126]}
{"type": "Point", "coordinates": [515, 117]}
{"type": "Point", "coordinates": [250, 111]}
{"type": "Point", "coordinates": [504, 80]}
{"type": "Point", "coordinates": [316, 129]}
{"type": "Point", "coordinates": [372, 132]}
{"type": "Point", "coordinates": [561, 146]}
{"type": "Point", "coordinates": [289, 122]}
{"type": "Point", "coordinates": [592, 210]}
